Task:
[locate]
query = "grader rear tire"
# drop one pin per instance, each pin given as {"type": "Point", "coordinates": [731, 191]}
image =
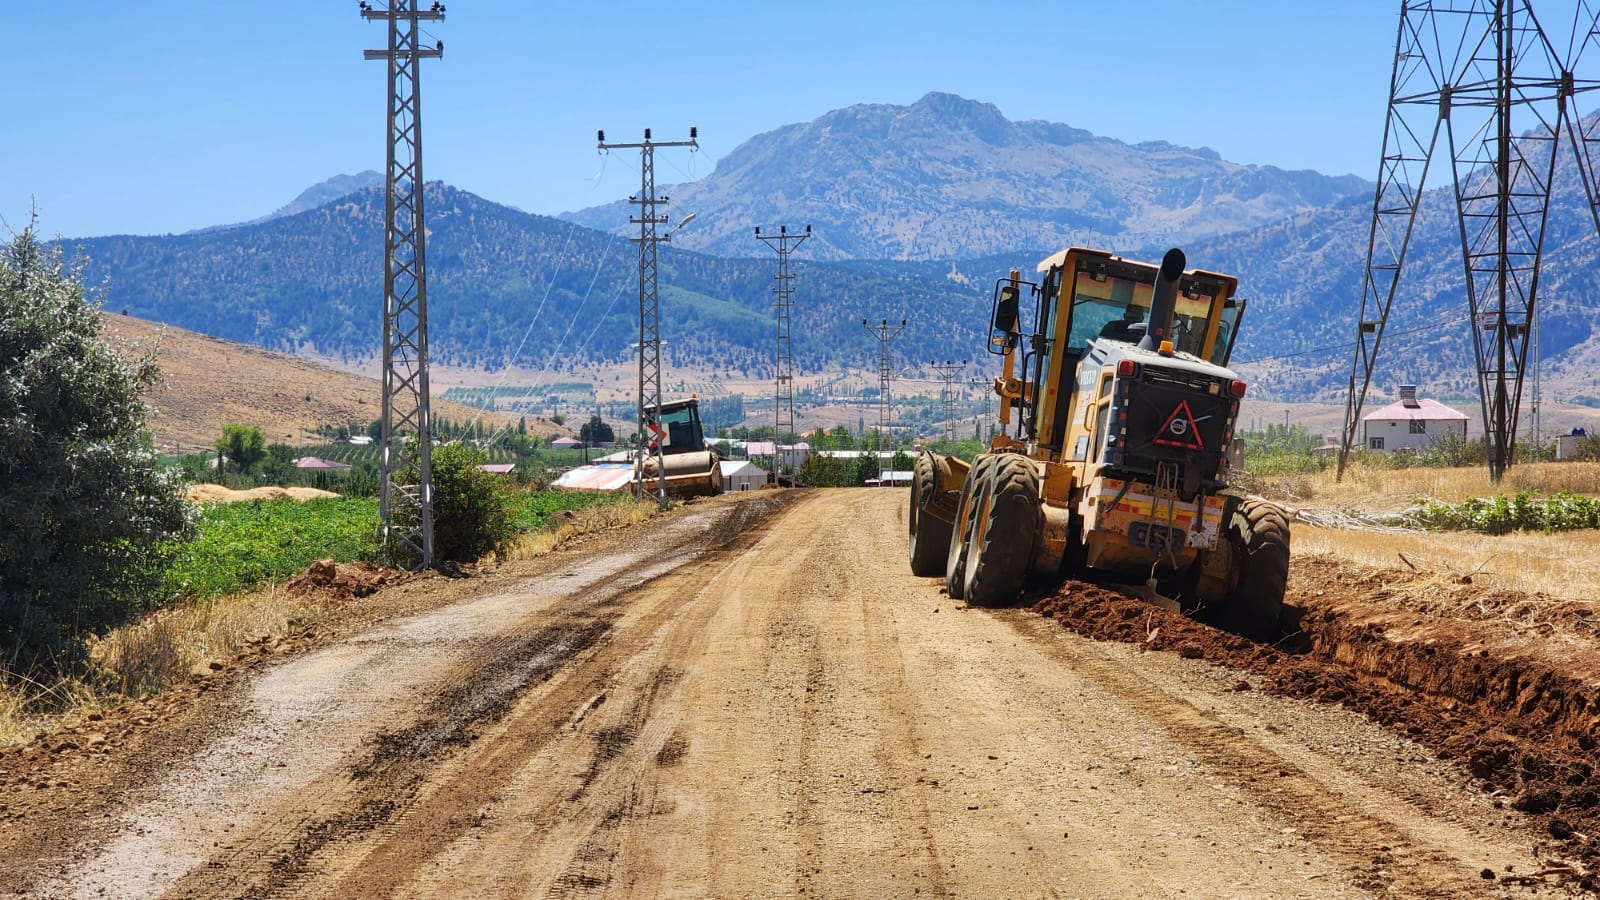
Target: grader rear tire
{"type": "Point", "coordinates": [930, 536]}
{"type": "Point", "coordinates": [1260, 535]}
{"type": "Point", "coordinates": [1004, 523]}
{"type": "Point", "coordinates": [956, 553]}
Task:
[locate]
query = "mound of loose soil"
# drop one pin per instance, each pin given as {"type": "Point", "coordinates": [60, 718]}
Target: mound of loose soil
{"type": "Point", "coordinates": [341, 581]}
{"type": "Point", "coordinates": [216, 493]}
{"type": "Point", "coordinates": [1516, 703]}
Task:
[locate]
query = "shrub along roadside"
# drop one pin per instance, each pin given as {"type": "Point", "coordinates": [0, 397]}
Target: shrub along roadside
{"type": "Point", "coordinates": [86, 510]}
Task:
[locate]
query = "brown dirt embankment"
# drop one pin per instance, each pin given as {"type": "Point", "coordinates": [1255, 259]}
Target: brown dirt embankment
{"type": "Point", "coordinates": [1506, 683]}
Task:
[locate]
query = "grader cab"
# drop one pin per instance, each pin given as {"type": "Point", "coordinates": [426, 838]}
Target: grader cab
{"type": "Point", "coordinates": [1118, 412]}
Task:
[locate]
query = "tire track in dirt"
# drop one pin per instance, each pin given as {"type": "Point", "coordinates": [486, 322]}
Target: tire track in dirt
{"type": "Point", "coordinates": [572, 718]}
{"type": "Point", "coordinates": [1383, 847]}
{"type": "Point", "coordinates": [379, 784]}
{"type": "Point", "coordinates": [565, 818]}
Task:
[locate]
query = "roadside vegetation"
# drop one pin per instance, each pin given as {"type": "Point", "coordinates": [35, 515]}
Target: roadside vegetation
{"type": "Point", "coordinates": [89, 515]}
{"type": "Point", "coordinates": [112, 584]}
{"type": "Point", "coordinates": [223, 593]}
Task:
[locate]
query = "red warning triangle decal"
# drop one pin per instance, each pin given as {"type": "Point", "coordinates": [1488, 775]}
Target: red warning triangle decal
{"type": "Point", "coordinates": [1180, 430]}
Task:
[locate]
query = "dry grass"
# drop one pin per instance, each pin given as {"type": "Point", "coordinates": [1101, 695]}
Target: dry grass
{"type": "Point", "coordinates": [147, 656]}
{"type": "Point", "coordinates": [166, 645]}
{"type": "Point", "coordinates": [589, 519]}
{"type": "Point", "coordinates": [1368, 489]}
{"type": "Point", "coordinates": [28, 707]}
{"type": "Point", "coordinates": [1565, 564]}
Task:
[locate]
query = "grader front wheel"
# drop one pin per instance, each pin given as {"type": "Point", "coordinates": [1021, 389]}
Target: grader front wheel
{"type": "Point", "coordinates": [1004, 522]}
{"type": "Point", "coordinates": [1260, 535]}
{"type": "Point", "coordinates": [956, 554]}
{"type": "Point", "coordinates": [930, 536]}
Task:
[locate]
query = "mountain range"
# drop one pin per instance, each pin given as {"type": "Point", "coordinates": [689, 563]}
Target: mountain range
{"type": "Point", "coordinates": [952, 178]}
{"type": "Point", "coordinates": [916, 211]}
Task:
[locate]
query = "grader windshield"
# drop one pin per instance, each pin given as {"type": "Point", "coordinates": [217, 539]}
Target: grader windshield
{"type": "Point", "coordinates": [1106, 305]}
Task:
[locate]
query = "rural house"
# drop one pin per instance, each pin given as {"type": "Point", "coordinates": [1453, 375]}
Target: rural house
{"type": "Point", "coordinates": [1411, 424]}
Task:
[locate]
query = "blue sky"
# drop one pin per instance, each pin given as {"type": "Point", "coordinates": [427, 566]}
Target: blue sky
{"type": "Point", "coordinates": [164, 116]}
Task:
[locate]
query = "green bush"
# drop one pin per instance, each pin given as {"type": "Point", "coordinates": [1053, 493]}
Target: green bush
{"type": "Point", "coordinates": [824, 471]}
{"type": "Point", "coordinates": [88, 514]}
{"type": "Point", "coordinates": [472, 516]}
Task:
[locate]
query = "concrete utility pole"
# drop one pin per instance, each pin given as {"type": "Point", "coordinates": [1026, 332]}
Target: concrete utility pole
{"type": "Point", "coordinates": [783, 394]}
{"type": "Point", "coordinates": [948, 373]}
{"type": "Point", "coordinates": [405, 494]}
{"type": "Point", "coordinates": [649, 305]}
{"type": "Point", "coordinates": [885, 333]}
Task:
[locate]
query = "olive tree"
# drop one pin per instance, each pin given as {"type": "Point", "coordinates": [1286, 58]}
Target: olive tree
{"type": "Point", "coordinates": [88, 516]}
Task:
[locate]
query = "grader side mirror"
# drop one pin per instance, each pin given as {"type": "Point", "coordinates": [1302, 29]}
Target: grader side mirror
{"type": "Point", "coordinates": [1005, 309]}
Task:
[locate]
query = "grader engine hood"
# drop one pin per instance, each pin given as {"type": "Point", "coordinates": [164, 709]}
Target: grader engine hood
{"type": "Point", "coordinates": [1173, 412]}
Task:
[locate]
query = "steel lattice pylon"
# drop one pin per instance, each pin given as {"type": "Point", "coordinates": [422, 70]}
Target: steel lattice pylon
{"type": "Point", "coordinates": [405, 498]}
{"type": "Point", "coordinates": [649, 303]}
{"type": "Point", "coordinates": [783, 394]}
{"type": "Point", "coordinates": [949, 372]}
{"type": "Point", "coordinates": [1464, 71]}
{"type": "Point", "coordinates": [885, 333]}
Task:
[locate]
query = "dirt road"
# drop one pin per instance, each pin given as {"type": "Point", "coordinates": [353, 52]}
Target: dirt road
{"type": "Point", "coordinates": [763, 701]}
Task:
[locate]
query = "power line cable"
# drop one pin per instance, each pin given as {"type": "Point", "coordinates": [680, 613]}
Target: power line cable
{"type": "Point", "coordinates": [1348, 344]}
{"type": "Point", "coordinates": [521, 409]}
{"type": "Point", "coordinates": [531, 322]}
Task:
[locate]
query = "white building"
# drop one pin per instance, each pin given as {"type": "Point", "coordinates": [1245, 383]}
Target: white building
{"type": "Point", "coordinates": [1411, 424]}
{"type": "Point", "coordinates": [741, 475]}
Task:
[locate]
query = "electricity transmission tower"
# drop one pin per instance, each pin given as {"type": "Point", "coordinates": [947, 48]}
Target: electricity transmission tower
{"type": "Point", "coordinates": [405, 495]}
{"type": "Point", "coordinates": [949, 372]}
{"type": "Point", "coordinates": [885, 333]}
{"type": "Point", "coordinates": [988, 399]}
{"type": "Point", "coordinates": [783, 394]}
{"type": "Point", "coordinates": [650, 431]}
{"type": "Point", "coordinates": [1463, 71]}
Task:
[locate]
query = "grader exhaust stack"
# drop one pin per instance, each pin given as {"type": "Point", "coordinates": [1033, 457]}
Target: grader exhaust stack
{"type": "Point", "coordinates": [1164, 300]}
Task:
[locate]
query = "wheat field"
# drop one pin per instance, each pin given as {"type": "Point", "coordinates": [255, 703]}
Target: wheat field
{"type": "Point", "coordinates": [1563, 564]}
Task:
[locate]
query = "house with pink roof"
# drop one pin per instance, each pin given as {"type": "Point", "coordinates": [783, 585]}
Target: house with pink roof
{"type": "Point", "coordinates": [1411, 424]}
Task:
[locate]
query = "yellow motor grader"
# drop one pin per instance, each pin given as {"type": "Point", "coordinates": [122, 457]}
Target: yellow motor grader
{"type": "Point", "coordinates": [1117, 412]}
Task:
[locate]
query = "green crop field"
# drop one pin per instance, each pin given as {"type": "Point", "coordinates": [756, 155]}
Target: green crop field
{"type": "Point", "coordinates": [239, 546]}
{"type": "Point", "coordinates": [534, 508]}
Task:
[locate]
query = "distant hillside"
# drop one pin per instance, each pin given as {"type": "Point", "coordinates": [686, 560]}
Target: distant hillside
{"type": "Point", "coordinates": [951, 178]}
{"type": "Point", "coordinates": [506, 287]}
{"type": "Point", "coordinates": [208, 383]}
